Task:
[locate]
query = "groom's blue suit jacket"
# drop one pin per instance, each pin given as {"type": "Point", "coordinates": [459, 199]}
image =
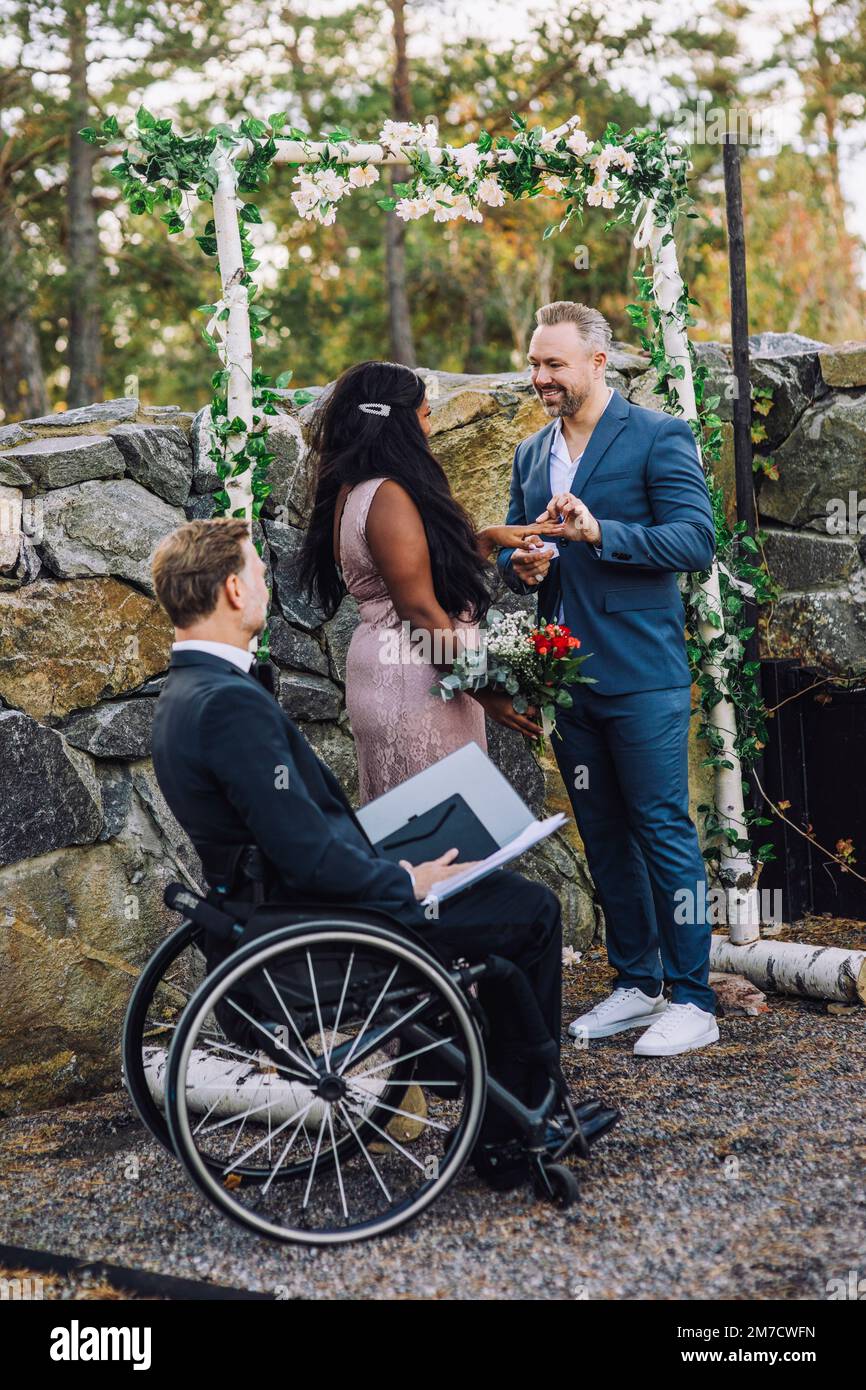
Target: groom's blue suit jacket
{"type": "Point", "coordinates": [641, 478]}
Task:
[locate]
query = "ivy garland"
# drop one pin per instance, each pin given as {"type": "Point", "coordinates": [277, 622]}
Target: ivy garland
{"type": "Point", "coordinates": [160, 166]}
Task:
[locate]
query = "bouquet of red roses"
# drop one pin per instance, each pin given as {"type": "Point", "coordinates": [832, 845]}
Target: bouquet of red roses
{"type": "Point", "coordinates": [535, 665]}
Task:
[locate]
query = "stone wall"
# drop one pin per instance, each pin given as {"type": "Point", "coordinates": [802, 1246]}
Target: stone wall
{"type": "Point", "coordinates": [87, 843]}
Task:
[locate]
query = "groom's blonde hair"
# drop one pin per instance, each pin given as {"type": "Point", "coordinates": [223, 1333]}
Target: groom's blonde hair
{"type": "Point", "coordinates": [592, 326]}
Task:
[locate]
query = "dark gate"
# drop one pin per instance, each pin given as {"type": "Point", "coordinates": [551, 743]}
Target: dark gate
{"type": "Point", "coordinates": [815, 759]}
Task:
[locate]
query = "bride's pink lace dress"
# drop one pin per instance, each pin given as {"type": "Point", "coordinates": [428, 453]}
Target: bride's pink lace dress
{"type": "Point", "coordinates": [399, 727]}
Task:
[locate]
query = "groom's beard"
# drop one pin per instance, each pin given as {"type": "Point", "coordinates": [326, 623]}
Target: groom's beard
{"type": "Point", "coordinates": [568, 403]}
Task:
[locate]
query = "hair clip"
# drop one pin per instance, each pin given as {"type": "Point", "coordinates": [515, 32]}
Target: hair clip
{"type": "Point", "coordinates": [375, 408]}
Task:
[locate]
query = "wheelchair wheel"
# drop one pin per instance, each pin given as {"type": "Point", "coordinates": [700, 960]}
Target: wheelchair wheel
{"type": "Point", "coordinates": [335, 1021]}
{"type": "Point", "coordinates": [161, 993]}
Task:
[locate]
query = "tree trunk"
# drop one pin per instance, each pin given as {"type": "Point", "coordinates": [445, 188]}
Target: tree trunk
{"type": "Point", "coordinates": [792, 967]}
{"type": "Point", "coordinates": [474, 360]}
{"type": "Point", "coordinates": [22, 382]}
{"type": "Point", "coordinates": [85, 348]}
{"type": "Point", "coordinates": [399, 317]}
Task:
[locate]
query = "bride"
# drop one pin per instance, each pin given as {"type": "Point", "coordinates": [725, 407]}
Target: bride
{"type": "Point", "coordinates": [386, 528]}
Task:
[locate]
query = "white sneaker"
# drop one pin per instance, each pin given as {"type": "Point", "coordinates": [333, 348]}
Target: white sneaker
{"type": "Point", "coordinates": [625, 1008]}
{"type": "Point", "coordinates": [683, 1027]}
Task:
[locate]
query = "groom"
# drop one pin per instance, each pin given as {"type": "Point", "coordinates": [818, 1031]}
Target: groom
{"type": "Point", "coordinates": [629, 484]}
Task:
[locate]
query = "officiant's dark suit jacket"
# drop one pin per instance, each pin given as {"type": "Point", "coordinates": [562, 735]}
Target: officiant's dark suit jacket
{"type": "Point", "coordinates": [234, 769]}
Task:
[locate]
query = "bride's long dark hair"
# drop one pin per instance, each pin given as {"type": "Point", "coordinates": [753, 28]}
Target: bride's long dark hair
{"type": "Point", "coordinates": [349, 446]}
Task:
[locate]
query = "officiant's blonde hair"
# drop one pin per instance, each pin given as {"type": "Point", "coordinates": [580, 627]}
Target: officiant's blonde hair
{"type": "Point", "coordinates": [592, 326]}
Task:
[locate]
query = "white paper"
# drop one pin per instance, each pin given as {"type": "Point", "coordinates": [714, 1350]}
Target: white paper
{"type": "Point", "coordinates": [537, 830]}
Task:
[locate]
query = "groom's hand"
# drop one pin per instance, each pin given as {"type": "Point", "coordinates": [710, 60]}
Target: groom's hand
{"type": "Point", "coordinates": [579, 524]}
{"type": "Point", "coordinates": [434, 871]}
{"type": "Point", "coordinates": [531, 561]}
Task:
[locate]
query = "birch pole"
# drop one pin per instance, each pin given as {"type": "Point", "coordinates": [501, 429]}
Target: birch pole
{"type": "Point", "coordinates": [737, 875]}
{"type": "Point", "coordinates": [237, 345]}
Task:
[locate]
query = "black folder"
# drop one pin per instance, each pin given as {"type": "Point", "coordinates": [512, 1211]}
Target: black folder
{"type": "Point", "coordinates": [450, 824]}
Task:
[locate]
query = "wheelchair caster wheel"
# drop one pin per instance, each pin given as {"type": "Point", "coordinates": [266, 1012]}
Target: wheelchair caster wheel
{"type": "Point", "coordinates": [564, 1187]}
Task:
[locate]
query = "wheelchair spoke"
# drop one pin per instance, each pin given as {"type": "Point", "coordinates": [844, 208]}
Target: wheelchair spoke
{"type": "Point", "coordinates": [389, 1138]}
{"type": "Point", "coordinates": [407, 1114]}
{"type": "Point", "coordinates": [268, 1137]}
{"type": "Point", "coordinates": [315, 1160]}
{"type": "Point", "coordinates": [291, 1022]}
{"type": "Point", "coordinates": [282, 1158]}
{"type": "Point", "coordinates": [318, 1012]}
{"type": "Point", "coordinates": [337, 1162]}
{"type": "Point", "coordinates": [336, 1027]}
{"type": "Point", "coordinates": [375, 1043]}
{"type": "Point", "coordinates": [386, 986]}
{"type": "Point", "coordinates": [365, 1151]}
{"type": "Point", "coordinates": [270, 1037]}
{"type": "Point", "coordinates": [404, 1057]}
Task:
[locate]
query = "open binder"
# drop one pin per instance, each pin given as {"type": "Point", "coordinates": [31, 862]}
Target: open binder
{"type": "Point", "coordinates": [462, 801]}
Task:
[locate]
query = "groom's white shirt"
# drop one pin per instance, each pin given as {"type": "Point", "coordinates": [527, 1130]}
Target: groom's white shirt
{"type": "Point", "coordinates": [228, 653]}
{"type": "Point", "coordinates": [563, 469]}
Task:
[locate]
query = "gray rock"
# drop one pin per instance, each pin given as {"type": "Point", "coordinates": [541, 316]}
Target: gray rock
{"type": "Point", "coordinates": [782, 344]}
{"type": "Point", "coordinates": [57, 463]}
{"type": "Point", "coordinates": [289, 475]}
{"type": "Point", "coordinates": [12, 474]}
{"type": "Point", "coordinates": [295, 650]}
{"type": "Point", "coordinates": [338, 635]}
{"type": "Point", "coordinates": [176, 845]}
{"type": "Point", "coordinates": [808, 560]}
{"type": "Point", "coordinates": [115, 786]}
{"type": "Point", "coordinates": [285, 545]}
{"type": "Point", "coordinates": [10, 527]}
{"type": "Point", "coordinates": [10, 435]}
{"type": "Point", "coordinates": [158, 457]}
{"type": "Point", "coordinates": [204, 474]}
{"type": "Point", "coordinates": [303, 696]}
{"type": "Point", "coordinates": [105, 528]}
{"type": "Point", "coordinates": [118, 729]}
{"type": "Point", "coordinates": [794, 381]}
{"type": "Point", "coordinates": [824, 459]}
{"type": "Point", "coordinates": [823, 629]}
{"type": "Point", "coordinates": [167, 415]}
{"type": "Point", "coordinates": [51, 796]}
{"type": "Point", "coordinates": [198, 507]}
{"type": "Point", "coordinates": [511, 753]}
{"type": "Point", "coordinates": [102, 413]}
{"type": "Point", "coordinates": [335, 746]}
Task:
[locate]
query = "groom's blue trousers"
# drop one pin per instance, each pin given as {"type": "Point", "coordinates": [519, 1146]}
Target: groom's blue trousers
{"type": "Point", "coordinates": [624, 761]}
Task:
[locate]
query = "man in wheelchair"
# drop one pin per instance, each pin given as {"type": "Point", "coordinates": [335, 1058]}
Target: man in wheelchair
{"type": "Point", "coordinates": [236, 772]}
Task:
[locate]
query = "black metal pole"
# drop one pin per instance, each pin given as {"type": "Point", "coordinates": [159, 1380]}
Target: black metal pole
{"type": "Point", "coordinates": [740, 355]}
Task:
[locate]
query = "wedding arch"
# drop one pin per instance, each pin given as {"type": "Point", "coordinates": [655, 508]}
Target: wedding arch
{"type": "Point", "coordinates": [644, 176]}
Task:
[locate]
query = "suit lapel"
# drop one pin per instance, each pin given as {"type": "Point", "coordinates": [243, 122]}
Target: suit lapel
{"type": "Point", "coordinates": [538, 481]}
{"type": "Point", "coordinates": [609, 426]}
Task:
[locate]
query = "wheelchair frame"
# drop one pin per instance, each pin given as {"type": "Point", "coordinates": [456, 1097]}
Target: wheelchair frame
{"type": "Point", "coordinates": [319, 929]}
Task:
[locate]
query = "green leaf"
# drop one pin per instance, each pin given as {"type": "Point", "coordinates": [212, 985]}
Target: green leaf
{"type": "Point", "coordinates": [283, 380]}
{"type": "Point", "coordinates": [387, 204]}
{"type": "Point", "coordinates": [144, 120]}
{"type": "Point", "coordinates": [92, 138]}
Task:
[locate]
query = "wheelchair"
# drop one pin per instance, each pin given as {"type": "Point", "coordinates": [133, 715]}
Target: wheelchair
{"type": "Point", "coordinates": [319, 1073]}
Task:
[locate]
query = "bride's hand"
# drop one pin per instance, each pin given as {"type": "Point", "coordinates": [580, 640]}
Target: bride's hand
{"type": "Point", "coordinates": [500, 706]}
{"type": "Point", "coordinates": [578, 522]}
{"type": "Point", "coordinates": [512, 537]}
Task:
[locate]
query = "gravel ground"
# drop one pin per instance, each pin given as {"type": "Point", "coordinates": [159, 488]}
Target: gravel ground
{"type": "Point", "coordinates": [735, 1173]}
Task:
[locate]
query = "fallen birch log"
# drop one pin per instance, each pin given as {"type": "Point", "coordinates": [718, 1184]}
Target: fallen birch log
{"type": "Point", "coordinates": [790, 967]}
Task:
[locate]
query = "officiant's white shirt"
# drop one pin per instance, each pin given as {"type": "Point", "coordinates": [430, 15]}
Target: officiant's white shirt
{"type": "Point", "coordinates": [563, 470]}
{"type": "Point", "coordinates": [224, 649]}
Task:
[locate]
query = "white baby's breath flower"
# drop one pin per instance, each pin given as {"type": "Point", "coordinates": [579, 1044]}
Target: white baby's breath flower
{"type": "Point", "coordinates": [465, 208]}
{"type": "Point", "coordinates": [609, 198]}
{"type": "Point", "coordinates": [466, 157]}
{"type": "Point", "coordinates": [577, 142]}
{"type": "Point", "coordinates": [362, 175]}
{"type": "Point", "coordinates": [594, 195]}
{"type": "Point", "coordinates": [490, 192]}
{"type": "Point", "coordinates": [330, 184]}
{"type": "Point", "coordinates": [410, 209]}
{"type": "Point", "coordinates": [570, 956]}
{"type": "Point", "coordinates": [627, 160]}
{"type": "Point", "coordinates": [553, 183]}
